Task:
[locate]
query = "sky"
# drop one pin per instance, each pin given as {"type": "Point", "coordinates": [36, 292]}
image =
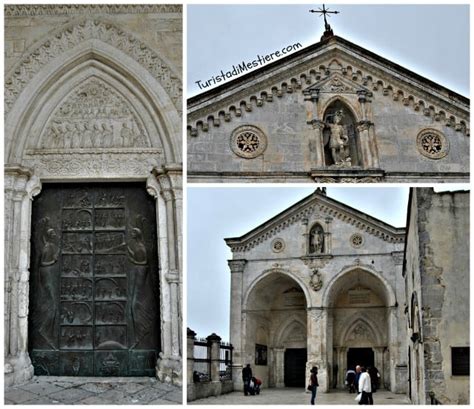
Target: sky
{"type": "Point", "coordinates": [431, 40]}
{"type": "Point", "coordinates": [215, 213]}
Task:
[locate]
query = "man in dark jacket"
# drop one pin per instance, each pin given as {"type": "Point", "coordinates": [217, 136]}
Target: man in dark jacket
{"type": "Point", "coordinates": [246, 376]}
{"type": "Point", "coordinates": [358, 372]}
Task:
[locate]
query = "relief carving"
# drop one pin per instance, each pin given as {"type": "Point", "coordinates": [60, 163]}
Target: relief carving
{"type": "Point", "coordinates": [46, 311]}
{"type": "Point", "coordinates": [74, 35]}
{"type": "Point", "coordinates": [316, 240]}
{"type": "Point", "coordinates": [94, 116]}
{"type": "Point", "coordinates": [316, 281]}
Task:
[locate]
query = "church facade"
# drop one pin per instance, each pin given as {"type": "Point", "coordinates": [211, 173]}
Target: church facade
{"type": "Point", "coordinates": [93, 191]}
{"type": "Point", "coordinates": [331, 112]}
{"type": "Point", "coordinates": [319, 284]}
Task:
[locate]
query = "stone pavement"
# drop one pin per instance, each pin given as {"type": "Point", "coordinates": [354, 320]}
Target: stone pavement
{"type": "Point", "coordinates": [61, 390]}
{"type": "Point", "coordinates": [296, 396]}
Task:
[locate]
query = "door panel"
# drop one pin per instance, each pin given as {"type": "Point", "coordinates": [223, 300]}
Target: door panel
{"type": "Point", "coordinates": [94, 295]}
{"type": "Point", "coordinates": [295, 367]}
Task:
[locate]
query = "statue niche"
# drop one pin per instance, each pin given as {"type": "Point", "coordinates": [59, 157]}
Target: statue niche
{"type": "Point", "coordinates": [340, 136]}
{"type": "Point", "coordinates": [316, 240]}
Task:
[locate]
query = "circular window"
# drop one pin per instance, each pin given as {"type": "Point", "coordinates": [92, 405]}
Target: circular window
{"type": "Point", "coordinates": [248, 141]}
{"type": "Point", "coordinates": [432, 144]}
{"type": "Point", "coordinates": [357, 240]}
{"type": "Point", "coordinates": [278, 245]}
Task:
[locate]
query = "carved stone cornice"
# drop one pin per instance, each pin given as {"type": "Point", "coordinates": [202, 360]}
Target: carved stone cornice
{"type": "Point", "coordinates": [336, 58]}
{"type": "Point", "coordinates": [31, 10]}
{"type": "Point", "coordinates": [74, 34]}
{"type": "Point", "coordinates": [303, 210]}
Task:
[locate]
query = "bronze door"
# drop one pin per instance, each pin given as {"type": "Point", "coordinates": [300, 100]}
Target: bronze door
{"type": "Point", "coordinates": [94, 295]}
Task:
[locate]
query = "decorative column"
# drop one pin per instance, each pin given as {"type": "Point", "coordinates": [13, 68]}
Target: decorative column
{"type": "Point", "coordinates": [236, 269]}
{"type": "Point", "coordinates": [316, 140]}
{"type": "Point", "coordinates": [378, 360]}
{"type": "Point", "coordinates": [20, 188]}
{"type": "Point", "coordinates": [279, 367]}
{"type": "Point", "coordinates": [166, 185]}
{"type": "Point", "coordinates": [366, 133]}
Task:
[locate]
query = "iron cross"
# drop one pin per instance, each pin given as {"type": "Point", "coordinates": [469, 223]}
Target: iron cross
{"type": "Point", "coordinates": [323, 11]}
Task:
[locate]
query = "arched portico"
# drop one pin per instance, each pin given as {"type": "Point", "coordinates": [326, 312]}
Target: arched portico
{"type": "Point", "coordinates": [274, 309]}
{"type": "Point", "coordinates": [360, 305]}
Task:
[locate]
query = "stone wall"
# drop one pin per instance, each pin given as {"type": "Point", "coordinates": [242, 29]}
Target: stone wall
{"type": "Point", "coordinates": [437, 284]}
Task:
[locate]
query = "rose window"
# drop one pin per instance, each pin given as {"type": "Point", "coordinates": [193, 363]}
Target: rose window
{"type": "Point", "coordinates": [278, 245]}
{"type": "Point", "coordinates": [357, 240]}
{"type": "Point", "coordinates": [248, 141]}
{"type": "Point", "coordinates": [432, 144]}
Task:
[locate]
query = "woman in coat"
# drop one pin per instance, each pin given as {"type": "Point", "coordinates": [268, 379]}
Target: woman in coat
{"type": "Point", "coordinates": [313, 383]}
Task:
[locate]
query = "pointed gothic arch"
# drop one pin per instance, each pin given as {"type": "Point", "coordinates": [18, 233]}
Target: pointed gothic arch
{"type": "Point", "coordinates": [55, 75]}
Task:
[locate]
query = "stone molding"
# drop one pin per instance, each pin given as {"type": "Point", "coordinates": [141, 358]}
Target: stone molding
{"type": "Point", "coordinates": [75, 33]}
{"type": "Point", "coordinates": [304, 211]}
{"type": "Point", "coordinates": [319, 69]}
{"type": "Point", "coordinates": [31, 10]}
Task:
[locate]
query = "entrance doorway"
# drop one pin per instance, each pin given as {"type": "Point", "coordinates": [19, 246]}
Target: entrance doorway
{"type": "Point", "coordinates": [94, 295]}
{"type": "Point", "coordinates": [295, 367]}
{"type": "Point", "coordinates": [360, 356]}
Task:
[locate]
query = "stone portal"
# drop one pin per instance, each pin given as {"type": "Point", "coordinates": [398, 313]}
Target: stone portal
{"type": "Point", "coordinates": [94, 295]}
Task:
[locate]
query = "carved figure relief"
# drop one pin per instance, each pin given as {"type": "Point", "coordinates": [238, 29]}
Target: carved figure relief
{"type": "Point", "coordinates": [359, 333]}
{"type": "Point", "coordinates": [316, 281]}
{"type": "Point", "coordinates": [46, 311]}
{"type": "Point", "coordinates": [316, 240]}
{"type": "Point", "coordinates": [94, 116]}
{"type": "Point", "coordinates": [338, 140]}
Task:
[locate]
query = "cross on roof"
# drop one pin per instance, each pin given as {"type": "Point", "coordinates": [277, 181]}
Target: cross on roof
{"type": "Point", "coordinates": [323, 11]}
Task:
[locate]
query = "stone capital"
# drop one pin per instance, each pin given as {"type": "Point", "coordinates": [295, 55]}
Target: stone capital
{"type": "Point", "coordinates": [172, 277]}
{"type": "Point", "coordinates": [364, 126]}
{"type": "Point", "coordinates": [237, 266]}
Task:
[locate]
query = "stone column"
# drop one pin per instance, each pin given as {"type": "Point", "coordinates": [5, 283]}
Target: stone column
{"type": "Point", "coordinates": [20, 188]}
{"type": "Point", "coordinates": [166, 185]}
{"type": "Point", "coordinates": [236, 281]}
{"type": "Point", "coordinates": [191, 336]}
{"type": "Point", "coordinates": [214, 341]}
{"type": "Point", "coordinates": [279, 369]}
{"type": "Point", "coordinates": [317, 321]}
{"type": "Point", "coordinates": [378, 362]}
{"type": "Point", "coordinates": [316, 143]}
{"type": "Point", "coordinates": [363, 129]}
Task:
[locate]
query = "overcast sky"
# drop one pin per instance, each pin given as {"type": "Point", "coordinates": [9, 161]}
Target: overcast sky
{"type": "Point", "coordinates": [217, 213]}
{"type": "Point", "coordinates": [431, 40]}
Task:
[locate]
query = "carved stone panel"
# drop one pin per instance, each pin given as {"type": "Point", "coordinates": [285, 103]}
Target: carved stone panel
{"type": "Point", "coordinates": [94, 290]}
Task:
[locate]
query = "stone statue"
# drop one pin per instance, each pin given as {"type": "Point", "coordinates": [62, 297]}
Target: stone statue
{"type": "Point", "coordinates": [316, 240]}
{"type": "Point", "coordinates": [339, 140]}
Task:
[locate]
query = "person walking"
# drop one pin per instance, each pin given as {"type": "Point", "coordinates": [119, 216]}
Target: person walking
{"type": "Point", "coordinates": [313, 382]}
{"type": "Point", "coordinates": [246, 377]}
{"type": "Point", "coordinates": [365, 387]}
{"type": "Point", "coordinates": [356, 381]}
{"type": "Point", "coordinates": [374, 377]}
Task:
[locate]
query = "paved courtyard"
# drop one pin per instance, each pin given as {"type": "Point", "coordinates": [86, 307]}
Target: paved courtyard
{"type": "Point", "coordinates": [295, 396]}
{"type": "Point", "coordinates": [60, 390]}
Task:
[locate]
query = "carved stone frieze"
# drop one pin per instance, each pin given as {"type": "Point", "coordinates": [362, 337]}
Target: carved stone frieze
{"type": "Point", "coordinates": [23, 10]}
{"type": "Point", "coordinates": [71, 36]}
{"type": "Point", "coordinates": [89, 165]}
{"type": "Point", "coordinates": [94, 116]}
{"type": "Point", "coordinates": [335, 80]}
{"type": "Point", "coordinates": [366, 179]}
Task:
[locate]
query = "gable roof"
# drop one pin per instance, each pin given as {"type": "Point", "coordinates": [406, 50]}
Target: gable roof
{"type": "Point", "coordinates": [402, 81]}
{"type": "Point", "coordinates": [303, 209]}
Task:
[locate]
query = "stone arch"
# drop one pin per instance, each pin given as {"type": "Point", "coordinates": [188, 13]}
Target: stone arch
{"type": "Point", "coordinates": [351, 323]}
{"type": "Point", "coordinates": [282, 331]}
{"type": "Point", "coordinates": [270, 272]}
{"type": "Point", "coordinates": [356, 113]}
{"type": "Point", "coordinates": [378, 279]}
{"type": "Point", "coordinates": [56, 73]}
